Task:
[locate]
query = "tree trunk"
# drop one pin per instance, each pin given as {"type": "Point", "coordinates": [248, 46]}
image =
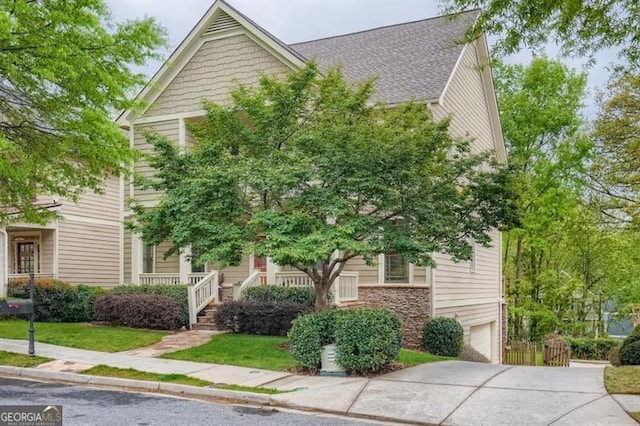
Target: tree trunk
{"type": "Point", "coordinates": [322, 293]}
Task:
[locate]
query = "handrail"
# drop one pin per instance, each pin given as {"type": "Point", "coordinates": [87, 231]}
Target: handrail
{"type": "Point", "coordinates": [252, 280]}
{"type": "Point", "coordinates": [201, 294]}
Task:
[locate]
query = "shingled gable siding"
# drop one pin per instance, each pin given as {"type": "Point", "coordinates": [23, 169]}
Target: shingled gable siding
{"type": "Point", "coordinates": [217, 68]}
{"type": "Point", "coordinates": [170, 129]}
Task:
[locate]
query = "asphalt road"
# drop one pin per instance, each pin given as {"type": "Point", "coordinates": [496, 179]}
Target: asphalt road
{"type": "Point", "coordinates": [85, 406]}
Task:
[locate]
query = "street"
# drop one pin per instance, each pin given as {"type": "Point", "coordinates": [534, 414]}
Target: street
{"type": "Point", "coordinates": [85, 406]}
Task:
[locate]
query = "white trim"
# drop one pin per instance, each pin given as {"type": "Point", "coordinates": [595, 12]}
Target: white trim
{"type": "Point", "coordinates": [251, 263]}
{"type": "Point", "coordinates": [411, 267]}
{"type": "Point", "coordinates": [184, 265]}
{"type": "Point", "coordinates": [182, 134]}
{"type": "Point", "coordinates": [56, 249]}
{"type": "Point", "coordinates": [91, 220]}
{"type": "Point", "coordinates": [432, 293]}
{"type": "Point", "coordinates": [4, 260]}
{"type": "Point", "coordinates": [391, 285]}
{"type": "Point", "coordinates": [170, 117]}
{"type": "Point", "coordinates": [466, 302]}
{"type": "Point", "coordinates": [453, 73]}
{"type": "Point", "coordinates": [37, 247]}
{"type": "Point", "coordinates": [15, 225]}
{"type": "Point", "coordinates": [381, 268]}
{"type": "Point", "coordinates": [136, 258]}
{"type": "Point", "coordinates": [132, 145]}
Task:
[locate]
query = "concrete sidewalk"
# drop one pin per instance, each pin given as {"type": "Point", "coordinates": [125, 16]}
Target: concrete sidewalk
{"type": "Point", "coordinates": [449, 393]}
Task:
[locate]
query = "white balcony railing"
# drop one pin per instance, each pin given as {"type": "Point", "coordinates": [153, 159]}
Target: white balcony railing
{"type": "Point", "coordinates": [170, 279]}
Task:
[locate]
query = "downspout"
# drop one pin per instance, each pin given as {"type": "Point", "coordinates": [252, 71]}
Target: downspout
{"type": "Point", "coordinates": [4, 262]}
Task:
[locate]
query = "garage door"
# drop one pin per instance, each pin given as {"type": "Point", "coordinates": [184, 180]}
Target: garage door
{"type": "Point", "coordinates": [481, 339]}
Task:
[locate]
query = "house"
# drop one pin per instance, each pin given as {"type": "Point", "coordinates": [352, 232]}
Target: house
{"type": "Point", "coordinates": [421, 60]}
{"type": "Point", "coordinates": [81, 246]}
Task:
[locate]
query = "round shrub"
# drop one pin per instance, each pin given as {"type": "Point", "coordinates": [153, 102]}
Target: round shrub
{"type": "Point", "coordinates": [262, 318]}
{"type": "Point", "coordinates": [367, 340]}
{"type": "Point", "coordinates": [630, 350]}
{"type": "Point", "coordinates": [176, 292]}
{"type": "Point", "coordinates": [149, 311]}
{"type": "Point", "coordinates": [82, 309]}
{"type": "Point", "coordinates": [309, 333]}
{"type": "Point", "coordinates": [52, 299]}
{"type": "Point", "coordinates": [274, 293]}
{"type": "Point", "coordinates": [442, 336]}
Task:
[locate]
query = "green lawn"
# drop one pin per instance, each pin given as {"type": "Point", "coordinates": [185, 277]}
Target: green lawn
{"type": "Point", "coordinates": [20, 360]}
{"type": "Point", "coordinates": [264, 352]}
{"type": "Point", "coordinates": [242, 350]}
{"type": "Point", "coordinates": [130, 373]}
{"type": "Point", "coordinates": [410, 358]}
{"type": "Point", "coordinates": [82, 335]}
{"type": "Point", "coordinates": [622, 379]}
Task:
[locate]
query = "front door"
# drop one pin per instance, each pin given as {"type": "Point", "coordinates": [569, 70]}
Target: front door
{"type": "Point", "coordinates": [26, 257]}
{"type": "Point", "coordinates": [260, 264]}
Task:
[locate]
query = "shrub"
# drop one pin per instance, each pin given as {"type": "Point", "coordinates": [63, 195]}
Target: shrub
{"type": "Point", "coordinates": [367, 340]}
{"type": "Point", "coordinates": [53, 299]}
{"type": "Point", "coordinates": [630, 350]}
{"type": "Point", "coordinates": [82, 309]}
{"type": "Point", "coordinates": [590, 348]}
{"type": "Point", "coordinates": [470, 354]}
{"type": "Point", "coordinates": [264, 318]}
{"type": "Point", "coordinates": [176, 292]}
{"type": "Point", "coordinates": [614, 356]}
{"type": "Point", "coordinates": [274, 293]}
{"type": "Point", "coordinates": [442, 336]}
{"type": "Point", "coordinates": [309, 333]}
{"type": "Point", "coordinates": [149, 311]}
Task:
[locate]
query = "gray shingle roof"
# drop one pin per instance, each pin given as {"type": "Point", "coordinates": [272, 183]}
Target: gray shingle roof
{"type": "Point", "coordinates": [412, 60]}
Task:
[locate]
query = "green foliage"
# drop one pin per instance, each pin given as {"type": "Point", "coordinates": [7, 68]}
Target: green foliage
{"type": "Point", "coordinates": [442, 336]}
{"type": "Point", "coordinates": [313, 165]}
{"type": "Point", "coordinates": [578, 27]}
{"type": "Point", "coordinates": [258, 317]}
{"type": "Point", "coordinates": [630, 352]}
{"type": "Point", "coordinates": [82, 309]}
{"type": "Point", "coordinates": [175, 292]}
{"type": "Point", "coordinates": [54, 300]}
{"type": "Point", "coordinates": [309, 333]}
{"type": "Point", "coordinates": [274, 293]}
{"type": "Point", "coordinates": [590, 348]}
{"type": "Point", "coordinates": [150, 311]}
{"type": "Point", "coordinates": [367, 340]}
{"type": "Point", "coordinates": [64, 70]}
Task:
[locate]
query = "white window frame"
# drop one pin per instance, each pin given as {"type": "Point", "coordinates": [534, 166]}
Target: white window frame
{"type": "Point", "coordinates": [144, 258]}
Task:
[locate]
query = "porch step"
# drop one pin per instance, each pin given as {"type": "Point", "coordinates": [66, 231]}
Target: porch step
{"type": "Point", "coordinates": [204, 326]}
{"type": "Point", "coordinates": [205, 318]}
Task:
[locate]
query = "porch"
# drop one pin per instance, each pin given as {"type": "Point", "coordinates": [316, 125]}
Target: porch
{"type": "Point", "coordinates": [31, 250]}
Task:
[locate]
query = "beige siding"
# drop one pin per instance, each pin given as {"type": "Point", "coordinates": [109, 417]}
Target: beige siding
{"type": "Point", "coordinates": [233, 274]}
{"type": "Point", "coordinates": [127, 257]}
{"type": "Point", "coordinates": [104, 206]}
{"type": "Point", "coordinates": [89, 253]}
{"type": "Point", "coordinates": [215, 69]}
{"type": "Point", "coordinates": [170, 265]}
{"type": "Point", "coordinates": [167, 128]}
{"type": "Point", "coordinates": [47, 243]}
{"type": "Point", "coordinates": [366, 274]}
{"type": "Point", "coordinates": [465, 102]}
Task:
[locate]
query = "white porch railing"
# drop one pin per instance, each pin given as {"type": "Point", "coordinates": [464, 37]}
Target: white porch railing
{"type": "Point", "coordinates": [39, 275]}
{"type": "Point", "coordinates": [344, 289]}
{"type": "Point", "coordinates": [202, 293]}
{"type": "Point", "coordinates": [170, 279]}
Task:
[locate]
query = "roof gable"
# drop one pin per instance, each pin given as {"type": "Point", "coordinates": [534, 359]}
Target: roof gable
{"type": "Point", "coordinates": [411, 61]}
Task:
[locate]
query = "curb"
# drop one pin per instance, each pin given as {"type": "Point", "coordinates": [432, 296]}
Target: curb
{"type": "Point", "coordinates": [147, 386]}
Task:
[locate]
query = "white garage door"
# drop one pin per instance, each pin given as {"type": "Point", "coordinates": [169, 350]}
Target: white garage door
{"type": "Point", "coordinates": [481, 339]}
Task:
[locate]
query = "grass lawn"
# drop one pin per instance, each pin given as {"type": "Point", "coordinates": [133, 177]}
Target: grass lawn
{"type": "Point", "coordinates": [20, 360]}
{"type": "Point", "coordinates": [242, 350]}
{"type": "Point", "coordinates": [264, 352]}
{"type": "Point", "coordinates": [624, 379]}
{"type": "Point", "coordinates": [81, 335]}
{"type": "Point", "coordinates": [410, 358]}
{"type": "Point", "coordinates": [130, 373]}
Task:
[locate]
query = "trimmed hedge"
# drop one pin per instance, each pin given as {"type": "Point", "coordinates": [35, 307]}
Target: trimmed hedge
{"type": "Point", "coordinates": [367, 340]}
{"type": "Point", "coordinates": [309, 333]}
{"type": "Point", "coordinates": [630, 350]}
{"type": "Point", "coordinates": [590, 348]}
{"type": "Point", "coordinates": [262, 318]}
{"type": "Point", "coordinates": [176, 292]}
{"type": "Point", "coordinates": [443, 336]}
{"type": "Point", "coordinates": [54, 300]}
{"type": "Point", "coordinates": [274, 293]}
{"type": "Point", "coordinates": [149, 311]}
{"type": "Point", "coordinates": [82, 309]}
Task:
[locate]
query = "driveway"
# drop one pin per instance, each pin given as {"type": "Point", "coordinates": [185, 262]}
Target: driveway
{"type": "Point", "coordinates": [465, 393]}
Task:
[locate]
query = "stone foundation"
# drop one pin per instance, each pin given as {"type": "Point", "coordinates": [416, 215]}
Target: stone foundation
{"type": "Point", "coordinates": [410, 303]}
{"type": "Point", "coordinates": [226, 293]}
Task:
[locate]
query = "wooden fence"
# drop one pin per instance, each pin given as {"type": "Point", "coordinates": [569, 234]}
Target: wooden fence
{"type": "Point", "coordinates": [556, 353]}
{"type": "Point", "coordinates": [520, 353]}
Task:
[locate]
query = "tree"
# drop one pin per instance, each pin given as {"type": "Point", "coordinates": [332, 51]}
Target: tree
{"type": "Point", "coordinates": [578, 27]}
{"type": "Point", "coordinates": [324, 175]}
{"type": "Point", "coordinates": [64, 71]}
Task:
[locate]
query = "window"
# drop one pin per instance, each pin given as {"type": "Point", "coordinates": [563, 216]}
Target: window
{"type": "Point", "coordinates": [396, 269]}
{"type": "Point", "coordinates": [196, 268]}
{"type": "Point", "coordinates": [148, 257]}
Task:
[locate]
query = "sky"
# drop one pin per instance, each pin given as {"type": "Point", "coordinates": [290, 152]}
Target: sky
{"type": "Point", "coordinates": [301, 20]}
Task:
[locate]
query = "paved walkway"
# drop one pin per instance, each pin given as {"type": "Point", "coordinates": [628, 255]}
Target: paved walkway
{"type": "Point", "coordinates": [449, 393]}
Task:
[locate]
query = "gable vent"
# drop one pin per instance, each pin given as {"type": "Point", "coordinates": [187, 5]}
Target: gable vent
{"type": "Point", "coordinates": [223, 22]}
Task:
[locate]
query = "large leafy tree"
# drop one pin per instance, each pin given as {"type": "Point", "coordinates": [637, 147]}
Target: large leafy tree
{"type": "Point", "coordinates": [324, 175]}
{"type": "Point", "coordinates": [579, 27]}
{"type": "Point", "coordinates": [64, 72]}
